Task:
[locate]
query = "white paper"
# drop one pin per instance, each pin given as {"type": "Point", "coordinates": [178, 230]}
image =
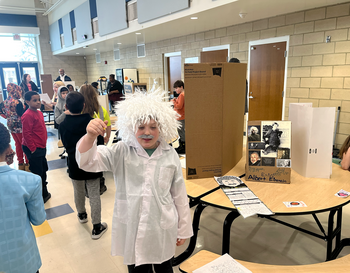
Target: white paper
{"type": "Point", "coordinates": [223, 264]}
{"type": "Point", "coordinates": [45, 97]}
{"type": "Point", "coordinates": [183, 162]}
{"type": "Point", "coordinates": [245, 201]}
{"type": "Point", "coordinates": [312, 139]}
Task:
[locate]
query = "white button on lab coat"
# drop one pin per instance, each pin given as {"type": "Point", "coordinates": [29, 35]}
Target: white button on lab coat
{"type": "Point", "coordinates": [151, 206]}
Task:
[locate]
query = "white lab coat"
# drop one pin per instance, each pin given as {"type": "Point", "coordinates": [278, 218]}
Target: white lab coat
{"type": "Point", "coordinates": [151, 206]}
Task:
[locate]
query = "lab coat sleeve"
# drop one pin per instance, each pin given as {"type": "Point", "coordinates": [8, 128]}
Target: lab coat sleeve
{"type": "Point", "coordinates": [35, 205]}
{"type": "Point", "coordinates": [179, 194]}
{"type": "Point", "coordinates": [98, 158]}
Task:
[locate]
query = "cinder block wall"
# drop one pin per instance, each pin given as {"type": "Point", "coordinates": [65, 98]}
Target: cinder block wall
{"type": "Point", "coordinates": [75, 67]}
{"type": "Point", "coordinates": [318, 72]}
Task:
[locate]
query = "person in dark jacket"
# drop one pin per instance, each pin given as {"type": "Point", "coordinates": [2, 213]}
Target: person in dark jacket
{"type": "Point", "coordinates": [27, 84]}
{"type": "Point", "coordinates": [63, 77]}
{"type": "Point", "coordinates": [72, 129]}
{"type": "Point", "coordinates": [114, 91]}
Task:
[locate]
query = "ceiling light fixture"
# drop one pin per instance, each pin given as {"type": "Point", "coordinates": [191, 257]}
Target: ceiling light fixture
{"type": "Point", "coordinates": [95, 49]}
{"type": "Point", "coordinates": [194, 18]}
{"type": "Point", "coordinates": [119, 43]}
{"type": "Point", "coordinates": [77, 53]}
{"type": "Point", "coordinates": [242, 15]}
{"type": "Point", "coordinates": [138, 33]}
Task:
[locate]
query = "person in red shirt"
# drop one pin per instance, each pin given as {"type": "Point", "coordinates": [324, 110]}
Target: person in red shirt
{"type": "Point", "coordinates": [34, 139]}
{"type": "Point", "coordinates": [179, 107]}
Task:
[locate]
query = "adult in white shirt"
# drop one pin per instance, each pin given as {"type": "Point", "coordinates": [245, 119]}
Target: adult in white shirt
{"type": "Point", "coordinates": [63, 77]}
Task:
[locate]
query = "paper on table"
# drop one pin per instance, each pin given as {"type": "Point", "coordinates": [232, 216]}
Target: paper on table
{"type": "Point", "coordinates": [245, 201]}
{"type": "Point", "coordinates": [225, 264]}
{"type": "Point", "coordinates": [45, 97]}
{"type": "Point", "coordinates": [183, 162]}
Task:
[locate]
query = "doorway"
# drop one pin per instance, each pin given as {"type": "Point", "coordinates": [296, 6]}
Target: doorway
{"type": "Point", "coordinates": [12, 72]}
{"type": "Point", "coordinates": [215, 54]}
{"type": "Point", "coordinates": [172, 70]}
{"type": "Point", "coordinates": [267, 78]}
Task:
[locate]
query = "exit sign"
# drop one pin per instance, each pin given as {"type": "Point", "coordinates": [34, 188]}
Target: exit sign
{"type": "Point", "coordinates": [16, 37]}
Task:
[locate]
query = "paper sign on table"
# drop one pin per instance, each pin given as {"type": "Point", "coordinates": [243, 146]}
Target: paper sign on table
{"type": "Point", "coordinates": [245, 201]}
{"type": "Point", "coordinates": [295, 204]}
{"type": "Point", "coordinates": [342, 194]}
{"type": "Point", "coordinates": [225, 264]}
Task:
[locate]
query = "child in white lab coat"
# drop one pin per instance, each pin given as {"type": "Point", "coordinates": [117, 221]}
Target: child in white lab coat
{"type": "Point", "coordinates": [151, 212]}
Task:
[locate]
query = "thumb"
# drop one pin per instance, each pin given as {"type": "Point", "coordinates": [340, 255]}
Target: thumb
{"type": "Point", "coordinates": [105, 121]}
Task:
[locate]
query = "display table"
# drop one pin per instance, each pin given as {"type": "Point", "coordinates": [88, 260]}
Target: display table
{"type": "Point", "coordinates": [197, 189]}
{"type": "Point", "coordinates": [318, 195]}
{"type": "Point", "coordinates": [203, 257]}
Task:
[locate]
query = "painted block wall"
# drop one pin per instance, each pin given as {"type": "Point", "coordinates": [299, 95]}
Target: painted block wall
{"type": "Point", "coordinates": [318, 72]}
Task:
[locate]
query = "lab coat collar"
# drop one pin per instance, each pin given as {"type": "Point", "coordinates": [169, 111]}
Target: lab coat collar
{"type": "Point", "coordinates": [5, 168]}
{"type": "Point", "coordinates": [141, 151]}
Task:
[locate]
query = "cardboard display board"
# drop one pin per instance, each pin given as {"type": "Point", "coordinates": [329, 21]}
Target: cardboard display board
{"type": "Point", "coordinates": [268, 153]}
{"type": "Point", "coordinates": [312, 139]}
{"type": "Point", "coordinates": [214, 115]}
{"type": "Point", "coordinates": [129, 87]}
{"type": "Point", "coordinates": [46, 84]}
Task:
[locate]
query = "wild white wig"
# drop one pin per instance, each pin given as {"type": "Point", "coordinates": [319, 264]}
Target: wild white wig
{"type": "Point", "coordinates": [140, 107]}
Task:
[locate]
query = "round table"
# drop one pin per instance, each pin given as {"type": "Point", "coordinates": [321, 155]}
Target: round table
{"type": "Point", "coordinates": [318, 194]}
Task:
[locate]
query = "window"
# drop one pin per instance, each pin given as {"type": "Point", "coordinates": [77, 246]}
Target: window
{"type": "Point", "coordinates": [22, 50]}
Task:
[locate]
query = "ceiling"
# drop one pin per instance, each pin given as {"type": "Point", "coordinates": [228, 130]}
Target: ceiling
{"type": "Point", "coordinates": [223, 16]}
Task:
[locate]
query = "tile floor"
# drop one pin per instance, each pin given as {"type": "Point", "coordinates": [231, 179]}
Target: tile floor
{"type": "Point", "coordinates": [70, 249]}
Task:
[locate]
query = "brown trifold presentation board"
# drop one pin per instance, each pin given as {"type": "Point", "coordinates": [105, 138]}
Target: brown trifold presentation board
{"type": "Point", "coordinates": [214, 114]}
{"type": "Point", "coordinates": [268, 153]}
{"type": "Point", "coordinates": [46, 84]}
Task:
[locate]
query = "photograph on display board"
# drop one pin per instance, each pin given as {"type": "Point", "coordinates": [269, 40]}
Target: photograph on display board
{"type": "Point", "coordinates": [268, 161]}
{"type": "Point", "coordinates": [254, 133]}
{"type": "Point", "coordinates": [283, 153]}
{"type": "Point", "coordinates": [256, 145]}
{"type": "Point", "coordinates": [283, 163]}
{"type": "Point", "coordinates": [275, 134]}
{"type": "Point", "coordinates": [254, 158]}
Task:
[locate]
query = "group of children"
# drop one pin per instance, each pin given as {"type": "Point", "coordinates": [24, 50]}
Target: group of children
{"type": "Point", "coordinates": [151, 209]}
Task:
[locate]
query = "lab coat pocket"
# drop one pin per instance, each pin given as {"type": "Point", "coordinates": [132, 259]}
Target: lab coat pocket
{"type": "Point", "coordinates": [168, 218]}
{"type": "Point", "coordinates": [122, 211]}
{"type": "Point", "coordinates": [166, 175]}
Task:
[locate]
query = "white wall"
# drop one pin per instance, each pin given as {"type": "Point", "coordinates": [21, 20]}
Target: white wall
{"type": "Point", "coordinates": [6, 6]}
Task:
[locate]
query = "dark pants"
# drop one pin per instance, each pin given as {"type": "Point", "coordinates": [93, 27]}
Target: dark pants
{"type": "Point", "coordinates": [38, 165]}
{"type": "Point", "coordinates": [165, 267]}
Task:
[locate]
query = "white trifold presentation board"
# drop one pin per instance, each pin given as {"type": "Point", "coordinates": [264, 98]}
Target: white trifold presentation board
{"type": "Point", "coordinates": [103, 101]}
{"type": "Point", "coordinates": [312, 139]}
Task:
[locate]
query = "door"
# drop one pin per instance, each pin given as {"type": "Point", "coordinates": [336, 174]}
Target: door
{"type": "Point", "coordinates": [32, 70]}
{"type": "Point", "coordinates": [9, 73]}
{"type": "Point", "coordinates": [267, 68]}
{"type": "Point", "coordinates": [215, 56]}
{"type": "Point", "coordinates": [174, 71]}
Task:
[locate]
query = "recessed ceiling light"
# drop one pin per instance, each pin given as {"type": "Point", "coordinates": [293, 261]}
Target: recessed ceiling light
{"type": "Point", "coordinates": [119, 43]}
{"type": "Point", "coordinates": [77, 53]}
{"type": "Point", "coordinates": [95, 49]}
{"type": "Point", "coordinates": [138, 33]}
{"type": "Point", "coordinates": [194, 18]}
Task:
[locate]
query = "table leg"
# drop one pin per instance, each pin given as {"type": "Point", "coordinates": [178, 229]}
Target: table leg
{"type": "Point", "coordinates": [227, 230]}
{"type": "Point", "coordinates": [195, 224]}
{"type": "Point", "coordinates": [335, 233]}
